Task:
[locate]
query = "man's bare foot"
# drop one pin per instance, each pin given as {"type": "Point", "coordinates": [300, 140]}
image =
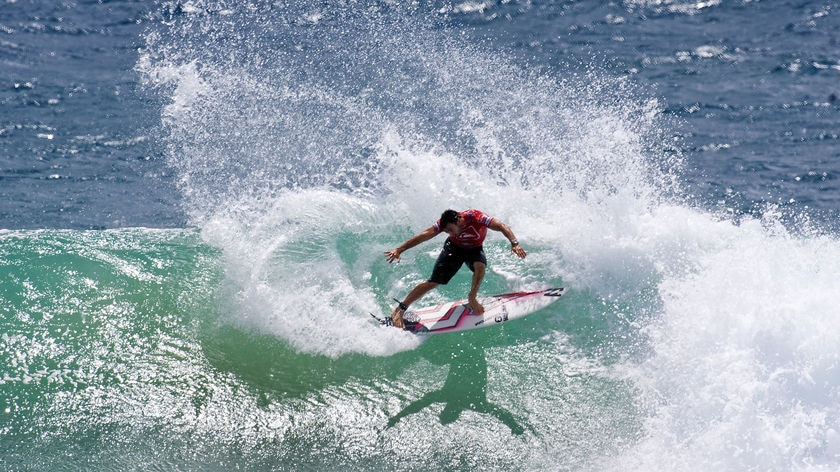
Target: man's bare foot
{"type": "Point", "coordinates": [397, 318]}
{"type": "Point", "coordinates": [476, 307]}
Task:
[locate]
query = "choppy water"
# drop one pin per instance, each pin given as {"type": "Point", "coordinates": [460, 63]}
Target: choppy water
{"type": "Point", "coordinates": [196, 197]}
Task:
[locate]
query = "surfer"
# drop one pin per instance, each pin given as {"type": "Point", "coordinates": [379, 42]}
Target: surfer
{"type": "Point", "coordinates": [467, 230]}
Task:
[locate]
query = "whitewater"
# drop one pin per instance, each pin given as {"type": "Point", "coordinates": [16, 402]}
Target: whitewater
{"type": "Point", "coordinates": [305, 140]}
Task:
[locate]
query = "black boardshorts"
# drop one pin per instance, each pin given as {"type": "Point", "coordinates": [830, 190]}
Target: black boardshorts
{"type": "Point", "coordinates": [451, 259]}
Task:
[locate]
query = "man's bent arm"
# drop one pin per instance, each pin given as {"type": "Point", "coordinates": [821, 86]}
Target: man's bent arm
{"type": "Point", "coordinates": [497, 225]}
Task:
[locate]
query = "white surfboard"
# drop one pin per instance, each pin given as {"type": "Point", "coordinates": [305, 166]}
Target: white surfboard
{"type": "Point", "coordinates": [457, 316]}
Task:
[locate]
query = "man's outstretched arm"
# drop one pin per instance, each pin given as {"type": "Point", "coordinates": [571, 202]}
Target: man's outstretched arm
{"type": "Point", "coordinates": [418, 238]}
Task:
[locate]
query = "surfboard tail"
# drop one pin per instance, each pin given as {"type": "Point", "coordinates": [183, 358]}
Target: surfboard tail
{"type": "Point", "coordinates": [411, 326]}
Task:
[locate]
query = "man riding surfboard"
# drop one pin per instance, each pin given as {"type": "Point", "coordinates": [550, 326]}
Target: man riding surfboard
{"type": "Point", "coordinates": [467, 230]}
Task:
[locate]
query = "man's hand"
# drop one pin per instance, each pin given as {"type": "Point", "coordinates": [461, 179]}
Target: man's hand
{"type": "Point", "coordinates": [392, 256]}
{"type": "Point", "coordinates": [517, 249]}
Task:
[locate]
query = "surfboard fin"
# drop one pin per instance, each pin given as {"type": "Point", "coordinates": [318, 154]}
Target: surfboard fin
{"type": "Point", "coordinates": [386, 321]}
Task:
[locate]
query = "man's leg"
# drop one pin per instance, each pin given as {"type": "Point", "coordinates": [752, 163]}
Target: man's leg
{"type": "Point", "coordinates": [478, 276]}
{"type": "Point", "coordinates": [415, 294]}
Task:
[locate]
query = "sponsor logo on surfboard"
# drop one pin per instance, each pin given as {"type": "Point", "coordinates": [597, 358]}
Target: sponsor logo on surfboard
{"type": "Point", "coordinates": [503, 316]}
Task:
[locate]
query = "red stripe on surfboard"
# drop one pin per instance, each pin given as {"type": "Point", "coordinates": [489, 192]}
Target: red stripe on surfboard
{"type": "Point", "coordinates": [429, 322]}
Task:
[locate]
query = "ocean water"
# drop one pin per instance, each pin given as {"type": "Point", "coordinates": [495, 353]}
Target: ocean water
{"type": "Point", "coordinates": [196, 196]}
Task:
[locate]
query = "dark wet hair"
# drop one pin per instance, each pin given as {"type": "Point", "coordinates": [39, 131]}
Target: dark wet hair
{"type": "Point", "coordinates": [449, 216]}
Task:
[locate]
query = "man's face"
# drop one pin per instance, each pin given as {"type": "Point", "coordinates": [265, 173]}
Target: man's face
{"type": "Point", "coordinates": [454, 229]}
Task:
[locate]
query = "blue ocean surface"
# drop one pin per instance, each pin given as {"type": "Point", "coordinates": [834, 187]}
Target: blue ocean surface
{"type": "Point", "coordinates": [195, 198]}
